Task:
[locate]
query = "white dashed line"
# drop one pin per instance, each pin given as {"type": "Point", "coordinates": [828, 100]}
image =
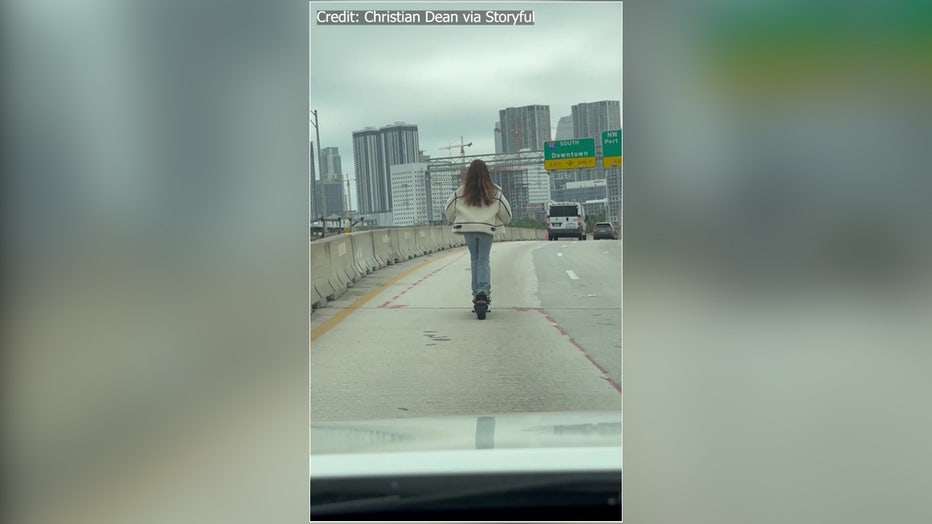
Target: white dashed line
{"type": "Point", "coordinates": [571, 274]}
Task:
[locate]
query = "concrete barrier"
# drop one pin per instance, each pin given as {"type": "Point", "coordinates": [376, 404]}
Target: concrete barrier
{"type": "Point", "coordinates": [356, 271]}
{"type": "Point", "coordinates": [363, 253]}
{"type": "Point", "coordinates": [447, 235]}
{"type": "Point", "coordinates": [432, 239]}
{"type": "Point", "coordinates": [337, 262]}
{"type": "Point", "coordinates": [422, 240]}
{"type": "Point", "coordinates": [383, 248]}
{"type": "Point", "coordinates": [341, 259]}
{"type": "Point", "coordinates": [321, 273]}
{"type": "Point", "coordinates": [313, 293]}
{"type": "Point", "coordinates": [405, 239]}
{"type": "Point", "coordinates": [417, 250]}
{"type": "Point", "coordinates": [436, 238]}
{"type": "Point", "coordinates": [395, 235]}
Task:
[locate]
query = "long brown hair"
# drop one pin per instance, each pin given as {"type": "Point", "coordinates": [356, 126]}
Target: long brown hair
{"type": "Point", "coordinates": [479, 189]}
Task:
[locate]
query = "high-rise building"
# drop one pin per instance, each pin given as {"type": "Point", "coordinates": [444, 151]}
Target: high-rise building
{"type": "Point", "coordinates": [498, 137]}
{"type": "Point", "coordinates": [565, 129]}
{"type": "Point", "coordinates": [418, 194]}
{"type": "Point", "coordinates": [331, 169]}
{"type": "Point", "coordinates": [614, 183]}
{"type": "Point", "coordinates": [513, 181]}
{"type": "Point", "coordinates": [400, 142]}
{"type": "Point", "coordinates": [329, 189]}
{"type": "Point", "coordinates": [331, 198]}
{"type": "Point", "coordinates": [372, 190]}
{"type": "Point", "coordinates": [591, 119]}
{"type": "Point", "coordinates": [408, 194]}
{"type": "Point", "coordinates": [538, 182]}
{"type": "Point", "coordinates": [374, 152]}
{"type": "Point", "coordinates": [526, 185]}
{"type": "Point", "coordinates": [526, 127]}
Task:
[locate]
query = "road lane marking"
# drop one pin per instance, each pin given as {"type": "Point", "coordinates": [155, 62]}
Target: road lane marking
{"type": "Point", "coordinates": [328, 324]}
{"type": "Point", "coordinates": [571, 274]}
{"type": "Point", "coordinates": [383, 306]}
{"type": "Point", "coordinates": [605, 374]}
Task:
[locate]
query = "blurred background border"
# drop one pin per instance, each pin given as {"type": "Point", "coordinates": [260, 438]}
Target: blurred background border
{"type": "Point", "coordinates": [776, 225]}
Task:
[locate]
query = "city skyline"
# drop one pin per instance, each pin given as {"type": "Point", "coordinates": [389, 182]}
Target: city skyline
{"type": "Point", "coordinates": [372, 76]}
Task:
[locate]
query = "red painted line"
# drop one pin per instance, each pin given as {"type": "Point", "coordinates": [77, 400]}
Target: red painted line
{"type": "Point", "coordinates": [399, 306]}
{"type": "Point", "coordinates": [577, 345]}
{"type": "Point", "coordinates": [430, 275]}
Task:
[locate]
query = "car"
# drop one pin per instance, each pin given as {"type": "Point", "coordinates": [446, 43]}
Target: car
{"type": "Point", "coordinates": [604, 230]}
{"type": "Point", "coordinates": [512, 466]}
{"type": "Point", "coordinates": [566, 219]}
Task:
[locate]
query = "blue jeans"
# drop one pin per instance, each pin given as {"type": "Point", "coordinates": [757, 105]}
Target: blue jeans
{"type": "Point", "coordinates": [480, 246]}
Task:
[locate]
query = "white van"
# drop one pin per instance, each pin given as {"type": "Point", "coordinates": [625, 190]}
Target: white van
{"type": "Point", "coordinates": [566, 219]}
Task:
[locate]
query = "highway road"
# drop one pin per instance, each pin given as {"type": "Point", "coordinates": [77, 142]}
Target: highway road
{"type": "Point", "coordinates": [403, 341]}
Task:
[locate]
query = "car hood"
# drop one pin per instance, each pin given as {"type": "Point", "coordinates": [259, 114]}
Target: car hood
{"type": "Point", "coordinates": [496, 431]}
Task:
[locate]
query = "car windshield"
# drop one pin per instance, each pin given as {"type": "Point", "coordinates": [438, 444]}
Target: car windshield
{"type": "Point", "coordinates": [438, 326]}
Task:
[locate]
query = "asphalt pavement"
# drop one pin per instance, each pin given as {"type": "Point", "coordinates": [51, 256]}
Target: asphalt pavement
{"type": "Point", "coordinates": [581, 289]}
{"type": "Point", "coordinates": [403, 341]}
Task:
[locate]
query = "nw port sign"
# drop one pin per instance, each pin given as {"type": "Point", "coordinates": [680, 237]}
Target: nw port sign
{"type": "Point", "coordinates": [611, 148]}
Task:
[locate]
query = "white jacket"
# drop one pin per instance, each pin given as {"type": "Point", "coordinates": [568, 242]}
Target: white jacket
{"type": "Point", "coordinates": [473, 219]}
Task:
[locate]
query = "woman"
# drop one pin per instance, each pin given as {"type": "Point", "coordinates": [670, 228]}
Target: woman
{"type": "Point", "coordinates": [476, 209]}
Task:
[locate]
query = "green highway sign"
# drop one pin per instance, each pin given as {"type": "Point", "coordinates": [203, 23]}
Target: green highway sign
{"type": "Point", "coordinates": [611, 148]}
{"type": "Point", "coordinates": [569, 154]}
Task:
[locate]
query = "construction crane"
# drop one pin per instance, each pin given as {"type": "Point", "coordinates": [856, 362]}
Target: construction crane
{"type": "Point", "coordinates": [462, 147]}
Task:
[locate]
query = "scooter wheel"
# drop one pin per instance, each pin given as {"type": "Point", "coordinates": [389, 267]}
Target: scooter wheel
{"type": "Point", "coordinates": [481, 310]}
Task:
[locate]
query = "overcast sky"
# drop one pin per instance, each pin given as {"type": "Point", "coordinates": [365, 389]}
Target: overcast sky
{"type": "Point", "coordinates": [452, 80]}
